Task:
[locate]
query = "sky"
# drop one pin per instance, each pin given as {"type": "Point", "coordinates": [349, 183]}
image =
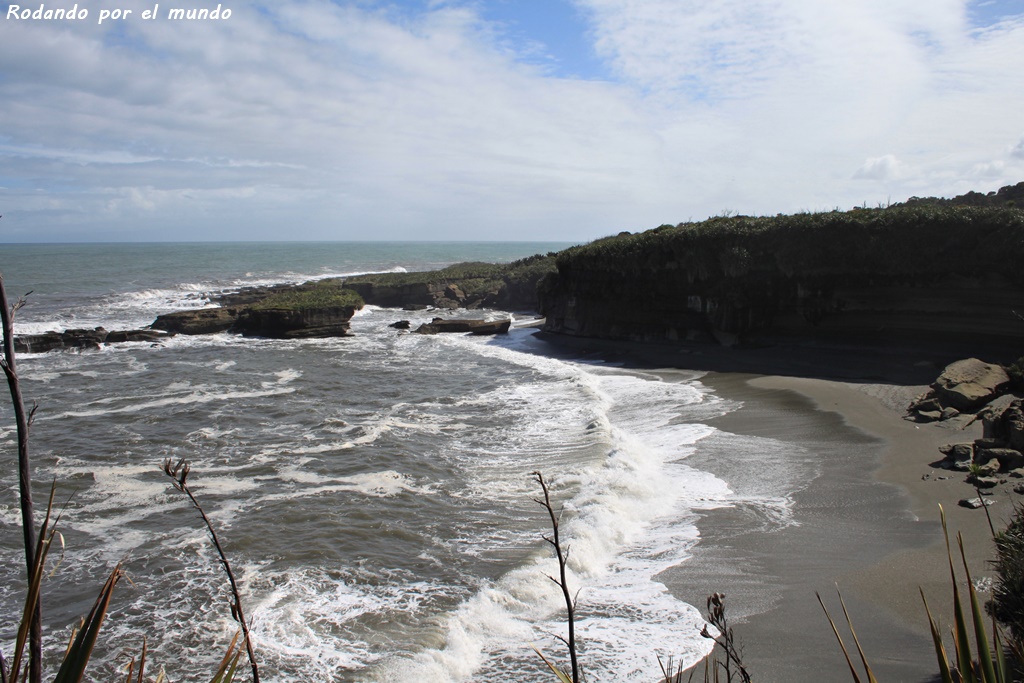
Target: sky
{"type": "Point", "coordinates": [557, 120]}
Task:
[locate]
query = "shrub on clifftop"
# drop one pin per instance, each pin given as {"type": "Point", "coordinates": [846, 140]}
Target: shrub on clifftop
{"type": "Point", "coordinates": [326, 295]}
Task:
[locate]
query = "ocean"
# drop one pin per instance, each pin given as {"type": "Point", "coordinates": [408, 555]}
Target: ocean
{"type": "Point", "coordinates": [374, 493]}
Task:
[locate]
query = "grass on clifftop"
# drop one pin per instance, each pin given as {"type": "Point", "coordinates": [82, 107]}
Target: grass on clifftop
{"type": "Point", "coordinates": [328, 294]}
{"type": "Point", "coordinates": [903, 243]}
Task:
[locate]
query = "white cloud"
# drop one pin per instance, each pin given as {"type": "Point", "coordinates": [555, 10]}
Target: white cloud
{"type": "Point", "coordinates": [351, 121]}
{"type": "Point", "coordinates": [1018, 150]}
{"type": "Point", "coordinates": [878, 168]}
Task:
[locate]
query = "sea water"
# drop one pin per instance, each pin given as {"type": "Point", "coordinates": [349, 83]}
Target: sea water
{"type": "Point", "coordinates": [374, 493]}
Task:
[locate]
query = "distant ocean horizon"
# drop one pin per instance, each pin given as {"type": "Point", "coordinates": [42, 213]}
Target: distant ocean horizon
{"type": "Point", "coordinates": [373, 492]}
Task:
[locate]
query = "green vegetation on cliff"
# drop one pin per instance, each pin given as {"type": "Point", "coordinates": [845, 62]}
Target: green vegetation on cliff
{"type": "Point", "coordinates": [324, 294]}
{"type": "Point", "coordinates": [902, 243]}
{"type": "Point", "coordinates": [911, 273]}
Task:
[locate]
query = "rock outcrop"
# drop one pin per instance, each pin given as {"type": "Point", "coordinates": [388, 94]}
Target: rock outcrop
{"type": "Point", "coordinates": [442, 326]}
{"type": "Point", "coordinates": [81, 339]}
{"type": "Point", "coordinates": [200, 321]}
{"type": "Point", "coordinates": [291, 323]}
{"type": "Point", "coordinates": [999, 455]}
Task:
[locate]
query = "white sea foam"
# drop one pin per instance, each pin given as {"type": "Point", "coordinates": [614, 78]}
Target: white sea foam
{"type": "Point", "coordinates": [313, 623]}
{"type": "Point", "coordinates": [628, 520]}
{"type": "Point", "coordinates": [379, 484]}
{"type": "Point", "coordinates": [137, 404]}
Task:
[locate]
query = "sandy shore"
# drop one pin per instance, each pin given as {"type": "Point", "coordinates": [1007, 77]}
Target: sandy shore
{"type": "Point", "coordinates": [866, 519]}
{"type": "Point", "coordinates": [868, 523]}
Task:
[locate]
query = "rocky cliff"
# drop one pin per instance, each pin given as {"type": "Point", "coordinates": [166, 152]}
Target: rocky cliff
{"type": "Point", "coordinates": [908, 274]}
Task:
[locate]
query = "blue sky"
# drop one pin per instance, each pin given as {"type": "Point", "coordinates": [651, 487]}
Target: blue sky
{"type": "Point", "coordinates": [496, 119]}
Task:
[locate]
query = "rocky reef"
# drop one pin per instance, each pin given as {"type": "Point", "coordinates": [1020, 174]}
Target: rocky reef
{"type": "Point", "coordinates": [82, 339]}
{"type": "Point", "coordinates": [314, 309]}
{"type": "Point", "coordinates": [910, 274]}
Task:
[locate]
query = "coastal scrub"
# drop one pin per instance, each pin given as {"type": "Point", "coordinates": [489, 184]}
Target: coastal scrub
{"type": "Point", "coordinates": [327, 294]}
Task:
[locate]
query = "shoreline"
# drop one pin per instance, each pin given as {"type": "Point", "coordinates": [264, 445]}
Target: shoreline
{"type": "Point", "coordinates": [868, 520]}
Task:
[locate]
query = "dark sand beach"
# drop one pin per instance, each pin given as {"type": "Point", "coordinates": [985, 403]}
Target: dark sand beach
{"type": "Point", "coordinates": [867, 519]}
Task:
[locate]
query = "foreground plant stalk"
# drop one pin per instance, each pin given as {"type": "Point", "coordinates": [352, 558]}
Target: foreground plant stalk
{"type": "Point", "coordinates": [178, 472]}
{"type": "Point", "coordinates": [563, 556]}
{"type": "Point", "coordinates": [23, 420]}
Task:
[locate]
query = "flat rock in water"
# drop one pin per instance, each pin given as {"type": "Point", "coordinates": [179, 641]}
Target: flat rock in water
{"type": "Point", "coordinates": [68, 339]}
{"type": "Point", "coordinates": [442, 326]}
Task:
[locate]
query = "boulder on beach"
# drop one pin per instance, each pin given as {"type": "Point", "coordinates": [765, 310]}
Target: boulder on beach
{"type": "Point", "coordinates": [970, 383]}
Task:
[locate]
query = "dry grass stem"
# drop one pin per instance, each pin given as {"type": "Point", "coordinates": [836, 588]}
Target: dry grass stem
{"type": "Point", "coordinates": [178, 472]}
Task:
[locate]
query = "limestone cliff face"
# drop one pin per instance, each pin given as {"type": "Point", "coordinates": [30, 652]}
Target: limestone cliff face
{"type": "Point", "coordinates": [893, 275]}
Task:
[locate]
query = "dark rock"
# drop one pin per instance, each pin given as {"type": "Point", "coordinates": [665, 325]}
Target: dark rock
{"type": "Point", "coordinates": [292, 323]}
{"type": "Point", "coordinates": [1013, 423]}
{"type": "Point", "coordinates": [82, 339]}
{"type": "Point", "coordinates": [440, 325]}
{"type": "Point", "coordinates": [68, 339]}
{"type": "Point", "coordinates": [1018, 488]}
{"type": "Point", "coordinates": [1008, 458]}
{"type": "Point", "coordinates": [963, 452]}
{"type": "Point", "coordinates": [415, 307]}
{"type": "Point", "coordinates": [455, 293]}
{"type": "Point", "coordinates": [929, 403]}
{"type": "Point", "coordinates": [949, 413]}
{"type": "Point", "coordinates": [985, 482]}
{"type": "Point", "coordinates": [38, 343]}
{"type": "Point", "coordinates": [200, 321]}
{"type": "Point", "coordinates": [136, 336]}
{"type": "Point", "coordinates": [970, 383]}
{"type": "Point", "coordinates": [401, 325]}
{"type": "Point", "coordinates": [492, 327]}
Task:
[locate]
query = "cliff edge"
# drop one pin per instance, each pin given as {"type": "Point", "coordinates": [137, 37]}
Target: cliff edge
{"type": "Point", "coordinates": [918, 273]}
